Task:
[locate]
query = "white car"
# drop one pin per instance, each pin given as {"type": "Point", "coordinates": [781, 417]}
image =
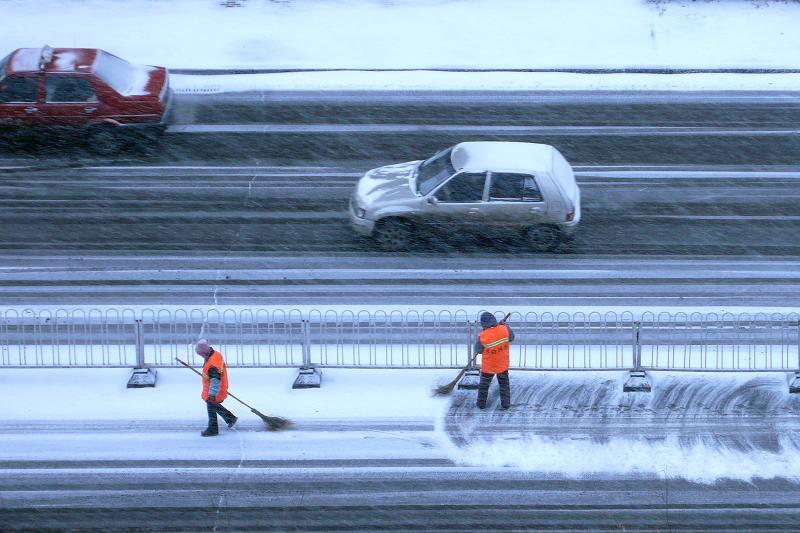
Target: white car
{"type": "Point", "coordinates": [517, 189]}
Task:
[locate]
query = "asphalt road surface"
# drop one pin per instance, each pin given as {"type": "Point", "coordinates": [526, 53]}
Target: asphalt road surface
{"type": "Point", "coordinates": [208, 234]}
{"type": "Point", "coordinates": [397, 497]}
{"type": "Point", "coordinates": [687, 198]}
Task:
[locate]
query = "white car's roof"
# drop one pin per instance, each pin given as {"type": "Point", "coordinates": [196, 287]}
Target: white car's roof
{"type": "Point", "coordinates": [502, 156]}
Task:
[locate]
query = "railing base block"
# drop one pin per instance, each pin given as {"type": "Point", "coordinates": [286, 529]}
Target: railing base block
{"type": "Point", "coordinates": [637, 382]}
{"type": "Point", "coordinates": [142, 377]}
{"type": "Point", "coordinates": [308, 378]}
{"type": "Point", "coordinates": [794, 386]}
{"type": "Point", "coordinates": [470, 381]}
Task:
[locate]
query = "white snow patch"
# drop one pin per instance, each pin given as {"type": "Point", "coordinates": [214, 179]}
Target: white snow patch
{"type": "Point", "coordinates": [443, 33]}
{"type": "Point", "coordinates": [65, 60]}
{"type": "Point", "coordinates": [25, 60]}
{"type": "Point", "coordinates": [581, 458]}
{"type": "Point", "coordinates": [480, 81]}
{"type": "Point", "coordinates": [140, 76]}
{"type": "Point", "coordinates": [101, 394]}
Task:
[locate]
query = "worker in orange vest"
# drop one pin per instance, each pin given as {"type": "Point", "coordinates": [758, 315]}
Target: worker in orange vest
{"type": "Point", "coordinates": [215, 387]}
{"type": "Point", "coordinates": [493, 345]}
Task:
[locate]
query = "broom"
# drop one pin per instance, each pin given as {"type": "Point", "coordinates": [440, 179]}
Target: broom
{"type": "Point", "coordinates": [274, 423]}
{"type": "Point", "coordinates": [446, 389]}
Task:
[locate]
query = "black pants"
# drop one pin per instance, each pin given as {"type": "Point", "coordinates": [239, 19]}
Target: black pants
{"type": "Point", "coordinates": [215, 409]}
{"type": "Point", "coordinates": [505, 389]}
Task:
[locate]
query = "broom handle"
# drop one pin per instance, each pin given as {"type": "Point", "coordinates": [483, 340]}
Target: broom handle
{"type": "Point", "coordinates": [201, 375]}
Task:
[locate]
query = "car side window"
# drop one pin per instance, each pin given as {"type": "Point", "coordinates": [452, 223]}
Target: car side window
{"type": "Point", "coordinates": [530, 190]}
{"type": "Point", "coordinates": [66, 89]}
{"type": "Point", "coordinates": [23, 89]}
{"type": "Point", "coordinates": [506, 187]}
{"type": "Point", "coordinates": [463, 188]}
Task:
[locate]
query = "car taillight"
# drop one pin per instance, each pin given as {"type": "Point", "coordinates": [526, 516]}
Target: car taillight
{"type": "Point", "coordinates": [570, 216]}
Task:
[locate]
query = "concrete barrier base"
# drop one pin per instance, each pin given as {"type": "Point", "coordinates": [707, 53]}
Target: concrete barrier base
{"type": "Point", "coordinates": [637, 382]}
{"type": "Point", "coordinates": [470, 381]}
{"type": "Point", "coordinates": [142, 377]}
{"type": "Point", "coordinates": [308, 378]}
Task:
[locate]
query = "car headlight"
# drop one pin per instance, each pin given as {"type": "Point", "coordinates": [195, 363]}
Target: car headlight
{"type": "Point", "coordinates": [358, 211]}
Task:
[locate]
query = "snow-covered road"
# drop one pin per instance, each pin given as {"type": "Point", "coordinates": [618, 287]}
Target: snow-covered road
{"type": "Point", "coordinates": [372, 449]}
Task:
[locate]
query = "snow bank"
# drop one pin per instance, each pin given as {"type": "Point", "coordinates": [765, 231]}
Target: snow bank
{"type": "Point", "coordinates": [701, 427]}
{"type": "Point", "coordinates": [480, 81]}
{"type": "Point", "coordinates": [581, 458]}
{"type": "Point", "coordinates": [416, 34]}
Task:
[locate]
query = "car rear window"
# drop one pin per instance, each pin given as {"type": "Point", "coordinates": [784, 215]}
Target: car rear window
{"type": "Point", "coordinates": [122, 76]}
{"type": "Point", "coordinates": [19, 89]}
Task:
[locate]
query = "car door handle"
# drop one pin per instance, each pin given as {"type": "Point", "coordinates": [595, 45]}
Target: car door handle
{"type": "Point", "coordinates": [90, 109]}
{"type": "Point", "coordinates": [536, 209]}
{"type": "Point", "coordinates": [473, 211]}
{"type": "Point", "coordinates": [31, 109]}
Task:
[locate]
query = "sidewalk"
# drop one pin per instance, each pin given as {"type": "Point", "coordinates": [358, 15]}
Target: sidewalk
{"type": "Point", "coordinates": [564, 424]}
{"type": "Point", "coordinates": [100, 396]}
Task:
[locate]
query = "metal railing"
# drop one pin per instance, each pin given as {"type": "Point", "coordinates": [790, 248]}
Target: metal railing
{"type": "Point", "coordinates": [399, 339]}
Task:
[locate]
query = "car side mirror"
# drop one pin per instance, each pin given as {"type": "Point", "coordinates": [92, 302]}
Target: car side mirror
{"type": "Point", "coordinates": [433, 200]}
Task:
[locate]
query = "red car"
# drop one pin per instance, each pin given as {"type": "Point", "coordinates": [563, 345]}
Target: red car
{"type": "Point", "coordinates": [82, 89]}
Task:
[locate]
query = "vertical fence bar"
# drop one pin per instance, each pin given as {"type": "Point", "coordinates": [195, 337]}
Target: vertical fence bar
{"type": "Point", "coordinates": [798, 345]}
{"type": "Point", "coordinates": [470, 336]}
{"type": "Point", "coordinates": [637, 346]}
{"type": "Point", "coordinates": [306, 332]}
{"type": "Point", "coordinates": [471, 377]}
{"type": "Point", "coordinates": [137, 325]}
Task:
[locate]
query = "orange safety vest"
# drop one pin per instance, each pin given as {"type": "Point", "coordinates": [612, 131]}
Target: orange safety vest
{"type": "Point", "coordinates": [495, 357]}
{"type": "Point", "coordinates": [216, 361]}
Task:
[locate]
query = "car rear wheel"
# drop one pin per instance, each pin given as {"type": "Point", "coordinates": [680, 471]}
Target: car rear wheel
{"type": "Point", "coordinates": [543, 238]}
{"type": "Point", "coordinates": [393, 235]}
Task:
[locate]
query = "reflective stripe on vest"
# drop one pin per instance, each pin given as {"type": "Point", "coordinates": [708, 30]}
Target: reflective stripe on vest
{"type": "Point", "coordinates": [498, 342]}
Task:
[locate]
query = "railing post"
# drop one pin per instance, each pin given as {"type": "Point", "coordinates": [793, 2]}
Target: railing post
{"type": "Point", "coordinates": [306, 329]}
{"type": "Point", "coordinates": [139, 344]}
{"type": "Point", "coordinates": [794, 386]}
{"type": "Point", "coordinates": [141, 376]}
{"type": "Point", "coordinates": [637, 378]}
{"type": "Point", "coordinates": [472, 376]}
{"type": "Point", "coordinates": [308, 377]}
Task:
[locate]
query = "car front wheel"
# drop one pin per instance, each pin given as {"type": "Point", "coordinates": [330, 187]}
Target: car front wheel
{"type": "Point", "coordinates": [393, 235]}
{"type": "Point", "coordinates": [543, 238]}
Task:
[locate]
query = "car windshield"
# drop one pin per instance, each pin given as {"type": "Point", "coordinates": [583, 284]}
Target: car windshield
{"type": "Point", "coordinates": [3, 63]}
{"type": "Point", "coordinates": [434, 171]}
{"type": "Point", "coordinates": [116, 72]}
